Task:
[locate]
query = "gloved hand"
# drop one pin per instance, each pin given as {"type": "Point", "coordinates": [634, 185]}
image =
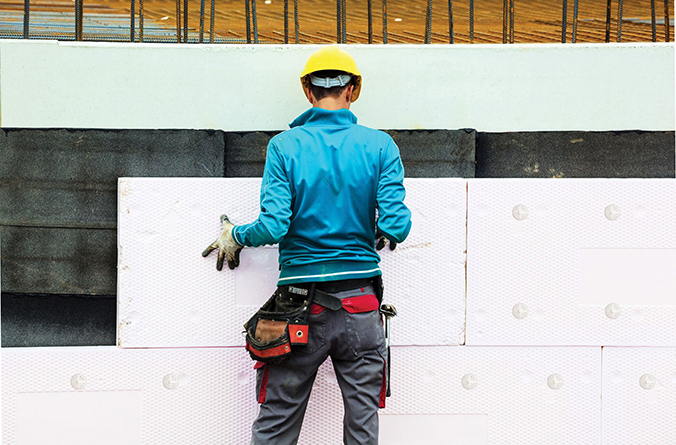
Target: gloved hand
{"type": "Point", "coordinates": [226, 245]}
{"type": "Point", "coordinates": [381, 241]}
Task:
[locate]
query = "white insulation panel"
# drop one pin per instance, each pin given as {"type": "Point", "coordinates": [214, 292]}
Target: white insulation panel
{"type": "Point", "coordinates": [639, 396]}
{"type": "Point", "coordinates": [510, 401]}
{"type": "Point", "coordinates": [571, 262]}
{"type": "Point", "coordinates": [170, 296]}
{"type": "Point", "coordinates": [111, 396]}
{"type": "Point", "coordinates": [124, 396]}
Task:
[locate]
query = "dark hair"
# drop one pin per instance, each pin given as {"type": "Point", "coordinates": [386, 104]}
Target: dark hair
{"type": "Point", "coordinates": [320, 92]}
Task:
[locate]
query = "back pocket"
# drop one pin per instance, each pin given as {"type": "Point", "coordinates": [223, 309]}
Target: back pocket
{"type": "Point", "coordinates": [364, 331]}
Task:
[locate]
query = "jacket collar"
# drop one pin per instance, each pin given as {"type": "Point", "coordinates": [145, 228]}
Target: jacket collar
{"type": "Point", "coordinates": [320, 116]}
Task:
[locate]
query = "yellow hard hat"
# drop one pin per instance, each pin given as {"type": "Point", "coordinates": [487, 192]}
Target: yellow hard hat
{"type": "Point", "coordinates": [331, 58]}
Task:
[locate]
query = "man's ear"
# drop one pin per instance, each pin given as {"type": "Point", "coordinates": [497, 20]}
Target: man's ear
{"type": "Point", "coordinates": [348, 92]}
{"type": "Point", "coordinates": [310, 97]}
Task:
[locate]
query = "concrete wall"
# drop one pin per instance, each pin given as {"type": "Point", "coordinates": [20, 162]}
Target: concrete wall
{"type": "Point", "coordinates": [492, 88]}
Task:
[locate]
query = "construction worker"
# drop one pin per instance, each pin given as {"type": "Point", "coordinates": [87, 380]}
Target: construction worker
{"type": "Point", "coordinates": [323, 181]}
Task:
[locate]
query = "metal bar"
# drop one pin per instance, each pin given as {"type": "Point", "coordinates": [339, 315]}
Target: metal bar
{"type": "Point", "coordinates": [140, 20]}
{"type": "Point", "coordinates": [504, 21]}
{"type": "Point", "coordinates": [564, 20]}
{"type": "Point", "coordinates": [132, 31]}
{"type": "Point", "coordinates": [344, 21]}
{"type": "Point", "coordinates": [202, 6]}
{"type": "Point", "coordinates": [178, 21]}
{"type": "Point", "coordinates": [370, 14]}
{"type": "Point", "coordinates": [471, 21]}
{"type": "Point", "coordinates": [575, 8]}
{"type": "Point", "coordinates": [385, 21]}
{"type": "Point", "coordinates": [248, 21]}
{"type": "Point", "coordinates": [428, 23]}
{"type": "Point", "coordinates": [81, 19]}
{"type": "Point", "coordinates": [511, 21]}
{"type": "Point", "coordinates": [339, 15]}
{"type": "Point", "coordinates": [450, 21]}
{"type": "Point", "coordinates": [608, 23]}
{"type": "Point", "coordinates": [653, 22]}
{"type": "Point", "coordinates": [185, 21]}
{"type": "Point", "coordinates": [211, 24]}
{"type": "Point", "coordinates": [619, 21]}
{"type": "Point", "coordinates": [666, 21]}
{"type": "Point", "coordinates": [254, 18]}
{"type": "Point", "coordinates": [295, 17]}
{"type": "Point", "coordinates": [26, 17]}
{"type": "Point", "coordinates": [286, 21]}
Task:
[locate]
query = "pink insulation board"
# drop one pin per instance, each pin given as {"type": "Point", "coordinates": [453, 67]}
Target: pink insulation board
{"type": "Point", "coordinates": [169, 296]}
{"type": "Point", "coordinates": [639, 396]}
{"type": "Point", "coordinates": [571, 262]}
{"type": "Point", "coordinates": [440, 394]}
{"type": "Point", "coordinates": [107, 395]}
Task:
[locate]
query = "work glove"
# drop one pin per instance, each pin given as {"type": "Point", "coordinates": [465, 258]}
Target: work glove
{"type": "Point", "coordinates": [226, 245]}
{"type": "Point", "coordinates": [381, 241]}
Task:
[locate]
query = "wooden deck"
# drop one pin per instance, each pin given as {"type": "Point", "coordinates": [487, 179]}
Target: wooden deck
{"type": "Point", "coordinates": [535, 21]}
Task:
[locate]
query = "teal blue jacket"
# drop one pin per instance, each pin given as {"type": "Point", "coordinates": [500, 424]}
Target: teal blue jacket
{"type": "Point", "coordinates": [323, 180]}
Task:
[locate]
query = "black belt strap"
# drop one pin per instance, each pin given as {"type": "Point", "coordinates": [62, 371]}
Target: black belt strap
{"type": "Point", "coordinates": [327, 300]}
{"type": "Point", "coordinates": [324, 290]}
{"type": "Point", "coordinates": [344, 285]}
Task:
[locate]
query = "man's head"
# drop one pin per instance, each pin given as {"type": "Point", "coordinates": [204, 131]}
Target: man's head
{"type": "Point", "coordinates": [331, 78]}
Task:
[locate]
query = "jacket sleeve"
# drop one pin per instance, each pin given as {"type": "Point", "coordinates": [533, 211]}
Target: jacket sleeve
{"type": "Point", "coordinates": [394, 218]}
{"type": "Point", "coordinates": [275, 212]}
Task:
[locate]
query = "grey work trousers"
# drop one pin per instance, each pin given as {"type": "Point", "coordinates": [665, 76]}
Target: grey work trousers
{"type": "Point", "coordinates": [356, 345]}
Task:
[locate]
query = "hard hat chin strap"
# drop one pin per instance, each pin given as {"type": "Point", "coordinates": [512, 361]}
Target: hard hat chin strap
{"type": "Point", "coordinates": [330, 82]}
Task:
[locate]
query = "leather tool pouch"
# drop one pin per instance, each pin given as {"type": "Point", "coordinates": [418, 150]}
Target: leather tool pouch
{"type": "Point", "coordinates": [279, 324]}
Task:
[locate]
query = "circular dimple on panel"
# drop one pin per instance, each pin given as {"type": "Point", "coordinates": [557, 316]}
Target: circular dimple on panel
{"type": "Point", "coordinates": [452, 209]}
{"type": "Point", "coordinates": [134, 317]}
{"type": "Point", "coordinates": [183, 379]}
{"type": "Point", "coordinates": [78, 381]}
{"type": "Point", "coordinates": [520, 212]}
{"type": "Point", "coordinates": [194, 316]}
{"type": "Point", "coordinates": [520, 311]}
{"type": "Point", "coordinates": [617, 377]}
{"type": "Point", "coordinates": [242, 379]}
{"type": "Point", "coordinates": [480, 315]}
{"type": "Point", "coordinates": [540, 210]}
{"type": "Point", "coordinates": [612, 212]}
{"type": "Point", "coordinates": [647, 381]}
{"type": "Point", "coordinates": [639, 212]}
{"type": "Point", "coordinates": [555, 381]}
{"type": "Point", "coordinates": [586, 377]}
{"type": "Point", "coordinates": [673, 378]}
{"type": "Point", "coordinates": [171, 381]}
{"type": "Point", "coordinates": [429, 376]}
{"type": "Point", "coordinates": [613, 311]}
{"type": "Point", "coordinates": [330, 377]}
{"type": "Point", "coordinates": [196, 210]}
{"type": "Point", "coordinates": [538, 315]}
{"type": "Point", "coordinates": [469, 381]}
{"type": "Point", "coordinates": [527, 377]}
{"type": "Point", "coordinates": [637, 315]}
{"type": "Point", "coordinates": [481, 210]}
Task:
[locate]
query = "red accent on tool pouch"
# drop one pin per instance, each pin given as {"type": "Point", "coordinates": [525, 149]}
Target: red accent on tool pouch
{"type": "Point", "coordinates": [262, 390]}
{"type": "Point", "coordinates": [270, 334]}
{"type": "Point", "coordinates": [298, 333]}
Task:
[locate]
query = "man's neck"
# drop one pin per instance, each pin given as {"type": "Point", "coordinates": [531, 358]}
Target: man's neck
{"type": "Point", "coordinates": [332, 103]}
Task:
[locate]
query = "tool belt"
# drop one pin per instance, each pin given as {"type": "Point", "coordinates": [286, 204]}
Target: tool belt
{"type": "Point", "coordinates": [281, 325]}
